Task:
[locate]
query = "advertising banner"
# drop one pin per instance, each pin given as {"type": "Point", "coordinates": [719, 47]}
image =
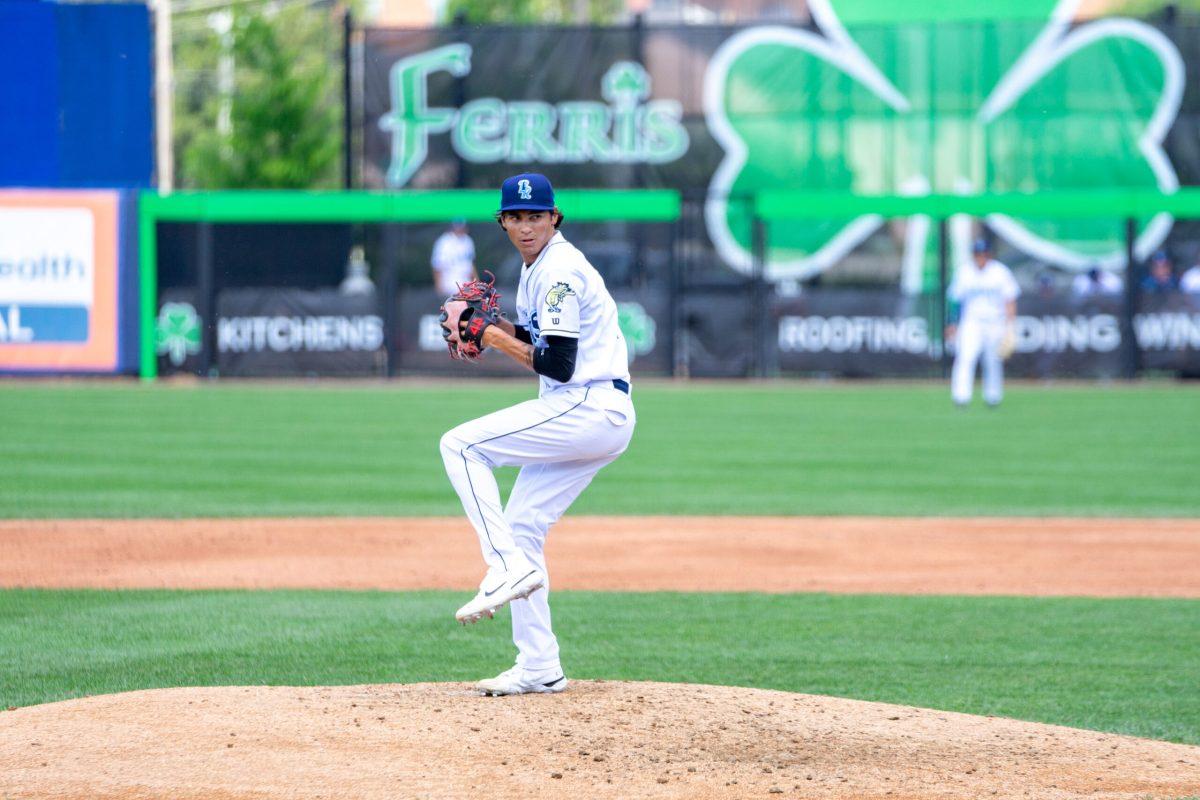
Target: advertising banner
{"type": "Point", "coordinates": [274, 333]}
{"type": "Point", "coordinates": [858, 334]}
{"type": "Point", "coordinates": [441, 109]}
{"type": "Point", "coordinates": [278, 332]}
{"type": "Point", "coordinates": [1067, 337]}
{"type": "Point", "coordinates": [882, 334]}
{"type": "Point", "coordinates": [968, 105]}
{"type": "Point", "coordinates": [59, 275]}
{"type": "Point", "coordinates": [1167, 327]}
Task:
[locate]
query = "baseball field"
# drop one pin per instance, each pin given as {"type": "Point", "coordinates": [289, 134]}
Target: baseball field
{"type": "Point", "coordinates": [814, 590]}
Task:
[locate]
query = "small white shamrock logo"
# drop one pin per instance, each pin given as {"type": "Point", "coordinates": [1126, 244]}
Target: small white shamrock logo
{"type": "Point", "coordinates": [638, 327]}
{"type": "Point", "coordinates": [177, 333]}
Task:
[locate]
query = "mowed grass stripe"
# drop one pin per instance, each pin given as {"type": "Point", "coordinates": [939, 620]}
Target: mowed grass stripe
{"type": "Point", "coordinates": [1126, 666]}
{"type": "Point", "coordinates": [228, 449]}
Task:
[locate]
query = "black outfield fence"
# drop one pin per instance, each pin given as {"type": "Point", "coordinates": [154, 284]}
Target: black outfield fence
{"type": "Point", "coordinates": [275, 299]}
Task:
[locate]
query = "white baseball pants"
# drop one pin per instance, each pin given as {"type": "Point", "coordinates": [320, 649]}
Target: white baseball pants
{"type": "Point", "coordinates": [978, 340]}
{"type": "Point", "coordinates": [560, 441]}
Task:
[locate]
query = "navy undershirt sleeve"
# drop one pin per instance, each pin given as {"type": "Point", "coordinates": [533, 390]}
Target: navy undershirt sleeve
{"type": "Point", "coordinates": [522, 334]}
{"type": "Point", "coordinates": [557, 359]}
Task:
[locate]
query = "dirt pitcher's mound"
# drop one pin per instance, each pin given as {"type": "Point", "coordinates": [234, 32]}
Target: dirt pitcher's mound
{"type": "Point", "coordinates": [599, 740]}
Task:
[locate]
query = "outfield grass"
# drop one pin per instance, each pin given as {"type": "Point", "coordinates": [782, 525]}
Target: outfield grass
{"type": "Point", "coordinates": [228, 449]}
{"type": "Point", "coordinates": [1127, 666]}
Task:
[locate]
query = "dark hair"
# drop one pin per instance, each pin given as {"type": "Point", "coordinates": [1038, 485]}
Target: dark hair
{"type": "Point", "coordinates": [557, 222]}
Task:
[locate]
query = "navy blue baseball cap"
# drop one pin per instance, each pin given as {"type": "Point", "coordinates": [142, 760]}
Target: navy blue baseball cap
{"type": "Point", "coordinates": [981, 246]}
{"type": "Point", "coordinates": [528, 191]}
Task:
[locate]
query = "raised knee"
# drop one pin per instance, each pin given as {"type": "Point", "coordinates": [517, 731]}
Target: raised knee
{"type": "Point", "coordinates": [457, 445]}
{"type": "Point", "coordinates": [451, 444]}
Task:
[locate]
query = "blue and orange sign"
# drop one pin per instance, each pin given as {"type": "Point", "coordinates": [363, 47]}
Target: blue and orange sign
{"type": "Point", "coordinates": [58, 280]}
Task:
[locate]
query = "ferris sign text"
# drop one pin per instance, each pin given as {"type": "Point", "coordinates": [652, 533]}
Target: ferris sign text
{"type": "Point", "coordinates": [626, 128]}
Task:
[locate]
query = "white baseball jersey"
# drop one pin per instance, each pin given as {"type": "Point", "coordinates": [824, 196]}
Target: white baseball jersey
{"type": "Point", "coordinates": [560, 440]}
{"type": "Point", "coordinates": [561, 294]}
{"type": "Point", "coordinates": [453, 260]}
{"type": "Point", "coordinates": [983, 293]}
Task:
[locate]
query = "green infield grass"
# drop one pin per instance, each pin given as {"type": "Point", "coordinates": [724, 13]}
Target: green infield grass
{"type": "Point", "coordinates": [1126, 666]}
{"type": "Point", "coordinates": [229, 449]}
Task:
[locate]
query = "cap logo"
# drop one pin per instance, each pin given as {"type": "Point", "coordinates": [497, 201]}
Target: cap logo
{"type": "Point", "coordinates": [524, 189]}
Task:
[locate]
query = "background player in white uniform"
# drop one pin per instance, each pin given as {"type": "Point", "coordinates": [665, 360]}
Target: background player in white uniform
{"type": "Point", "coordinates": [986, 292]}
{"type": "Point", "coordinates": [453, 258]}
{"type": "Point", "coordinates": [566, 331]}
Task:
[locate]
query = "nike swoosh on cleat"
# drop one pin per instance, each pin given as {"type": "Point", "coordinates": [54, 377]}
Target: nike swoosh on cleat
{"type": "Point", "coordinates": [498, 588]}
{"type": "Point", "coordinates": [553, 682]}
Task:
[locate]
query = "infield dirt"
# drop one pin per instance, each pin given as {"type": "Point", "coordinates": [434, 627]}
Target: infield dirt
{"type": "Point", "coordinates": [1013, 556]}
{"type": "Point", "coordinates": [600, 739]}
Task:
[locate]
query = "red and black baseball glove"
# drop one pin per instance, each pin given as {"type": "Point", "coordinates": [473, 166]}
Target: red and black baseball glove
{"type": "Point", "coordinates": [467, 314]}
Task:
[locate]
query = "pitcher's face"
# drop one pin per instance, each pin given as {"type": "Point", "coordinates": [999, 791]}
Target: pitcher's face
{"type": "Point", "coordinates": [529, 231]}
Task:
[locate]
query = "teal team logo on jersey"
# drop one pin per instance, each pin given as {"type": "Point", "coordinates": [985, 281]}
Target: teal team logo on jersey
{"type": "Point", "coordinates": [627, 128]}
{"type": "Point", "coordinates": [177, 332]}
{"type": "Point", "coordinates": [969, 107]}
{"type": "Point", "coordinates": [554, 298]}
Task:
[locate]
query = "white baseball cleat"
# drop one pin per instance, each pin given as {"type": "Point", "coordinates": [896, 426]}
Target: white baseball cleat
{"type": "Point", "coordinates": [517, 681]}
{"type": "Point", "coordinates": [498, 590]}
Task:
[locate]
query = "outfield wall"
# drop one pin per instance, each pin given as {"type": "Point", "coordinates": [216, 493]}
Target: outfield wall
{"type": "Point", "coordinates": [247, 284]}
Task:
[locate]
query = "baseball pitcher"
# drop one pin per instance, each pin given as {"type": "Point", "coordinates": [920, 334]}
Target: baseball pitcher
{"type": "Point", "coordinates": [566, 331]}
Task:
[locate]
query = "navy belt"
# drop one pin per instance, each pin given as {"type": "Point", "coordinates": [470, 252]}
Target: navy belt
{"type": "Point", "coordinates": [621, 385]}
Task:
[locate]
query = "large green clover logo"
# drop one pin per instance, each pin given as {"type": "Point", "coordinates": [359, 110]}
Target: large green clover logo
{"type": "Point", "coordinates": [911, 109]}
{"type": "Point", "coordinates": [177, 333]}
